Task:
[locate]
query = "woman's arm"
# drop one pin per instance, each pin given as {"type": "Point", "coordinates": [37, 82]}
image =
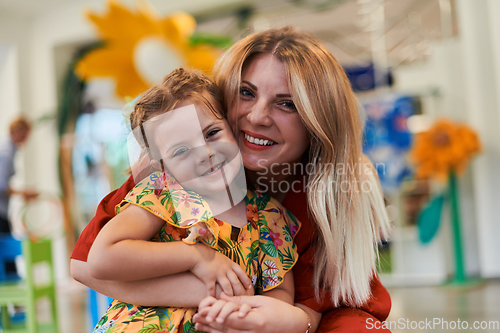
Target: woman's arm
{"type": "Point", "coordinates": [122, 252]}
{"type": "Point", "coordinates": [285, 291]}
{"type": "Point", "coordinates": [160, 291]}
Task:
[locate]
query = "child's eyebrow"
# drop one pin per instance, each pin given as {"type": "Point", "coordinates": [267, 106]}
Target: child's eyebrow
{"type": "Point", "coordinates": [218, 121]}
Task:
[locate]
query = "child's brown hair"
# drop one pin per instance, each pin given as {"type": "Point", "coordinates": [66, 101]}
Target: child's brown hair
{"type": "Point", "coordinates": [180, 85]}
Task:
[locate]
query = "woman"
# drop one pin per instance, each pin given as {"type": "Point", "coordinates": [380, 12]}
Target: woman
{"type": "Point", "coordinates": [299, 130]}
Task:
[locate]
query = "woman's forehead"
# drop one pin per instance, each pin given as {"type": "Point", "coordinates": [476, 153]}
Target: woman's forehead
{"type": "Point", "coordinates": [263, 61]}
{"type": "Point", "coordinates": [266, 71]}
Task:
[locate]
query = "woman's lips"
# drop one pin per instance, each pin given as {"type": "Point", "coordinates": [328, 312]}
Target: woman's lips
{"type": "Point", "coordinates": [266, 145]}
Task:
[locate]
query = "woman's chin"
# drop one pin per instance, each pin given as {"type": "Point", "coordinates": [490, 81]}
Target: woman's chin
{"type": "Point", "coordinates": [254, 163]}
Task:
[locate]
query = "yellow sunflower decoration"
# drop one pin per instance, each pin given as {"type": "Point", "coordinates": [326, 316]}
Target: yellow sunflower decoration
{"type": "Point", "coordinates": [140, 48]}
{"type": "Point", "coordinates": [446, 147]}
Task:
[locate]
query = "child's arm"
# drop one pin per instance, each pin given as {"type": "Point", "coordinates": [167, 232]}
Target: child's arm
{"type": "Point", "coordinates": [122, 251]}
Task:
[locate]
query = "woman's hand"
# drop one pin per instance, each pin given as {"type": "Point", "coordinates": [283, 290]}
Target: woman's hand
{"type": "Point", "coordinates": [267, 315]}
{"type": "Point", "coordinates": [218, 309]}
{"type": "Point", "coordinates": [213, 268]}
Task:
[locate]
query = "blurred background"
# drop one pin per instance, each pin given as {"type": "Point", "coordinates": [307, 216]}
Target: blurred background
{"type": "Point", "coordinates": [411, 63]}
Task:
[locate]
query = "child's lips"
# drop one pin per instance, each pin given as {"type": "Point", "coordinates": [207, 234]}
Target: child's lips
{"type": "Point", "coordinates": [213, 170]}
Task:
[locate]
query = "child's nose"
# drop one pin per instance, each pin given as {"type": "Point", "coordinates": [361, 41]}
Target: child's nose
{"type": "Point", "coordinates": [205, 154]}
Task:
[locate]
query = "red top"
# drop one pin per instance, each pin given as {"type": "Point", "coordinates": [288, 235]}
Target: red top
{"type": "Point", "coordinates": [379, 304]}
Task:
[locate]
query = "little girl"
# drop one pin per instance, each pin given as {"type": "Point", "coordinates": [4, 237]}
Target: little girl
{"type": "Point", "coordinates": [196, 197]}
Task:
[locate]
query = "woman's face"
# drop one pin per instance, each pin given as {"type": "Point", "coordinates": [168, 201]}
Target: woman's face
{"type": "Point", "coordinates": [271, 132]}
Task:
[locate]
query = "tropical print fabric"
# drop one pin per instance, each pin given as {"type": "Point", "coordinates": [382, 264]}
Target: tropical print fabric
{"type": "Point", "coordinates": [264, 248]}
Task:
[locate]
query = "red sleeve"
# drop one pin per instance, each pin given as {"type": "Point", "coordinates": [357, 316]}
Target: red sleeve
{"type": "Point", "coordinates": [379, 305]}
{"type": "Point", "coordinates": [105, 212]}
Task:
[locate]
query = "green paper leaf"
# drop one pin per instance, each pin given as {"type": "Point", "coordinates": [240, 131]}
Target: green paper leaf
{"type": "Point", "coordinates": [429, 219]}
{"type": "Point", "coordinates": [219, 41]}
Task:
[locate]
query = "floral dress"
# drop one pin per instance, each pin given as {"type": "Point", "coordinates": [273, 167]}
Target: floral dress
{"type": "Point", "coordinates": [264, 248]}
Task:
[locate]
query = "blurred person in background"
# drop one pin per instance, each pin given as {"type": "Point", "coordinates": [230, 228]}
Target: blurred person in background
{"type": "Point", "coordinates": [19, 132]}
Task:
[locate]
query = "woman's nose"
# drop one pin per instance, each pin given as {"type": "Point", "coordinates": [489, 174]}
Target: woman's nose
{"type": "Point", "coordinates": [260, 115]}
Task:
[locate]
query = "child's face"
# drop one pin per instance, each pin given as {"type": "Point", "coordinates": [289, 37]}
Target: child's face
{"type": "Point", "coordinates": [198, 149]}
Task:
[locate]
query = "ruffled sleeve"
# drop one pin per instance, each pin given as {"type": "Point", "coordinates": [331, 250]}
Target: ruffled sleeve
{"type": "Point", "coordinates": [277, 228]}
{"type": "Point", "coordinates": [187, 215]}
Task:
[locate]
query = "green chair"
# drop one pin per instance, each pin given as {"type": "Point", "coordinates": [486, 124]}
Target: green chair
{"type": "Point", "coordinates": [33, 292]}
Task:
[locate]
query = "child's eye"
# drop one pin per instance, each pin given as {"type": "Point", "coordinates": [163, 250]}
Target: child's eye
{"type": "Point", "coordinates": [212, 133]}
{"type": "Point", "coordinates": [245, 92]}
{"type": "Point", "coordinates": [180, 151]}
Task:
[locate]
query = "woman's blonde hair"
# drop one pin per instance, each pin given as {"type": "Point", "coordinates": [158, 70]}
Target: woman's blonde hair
{"type": "Point", "coordinates": [344, 197]}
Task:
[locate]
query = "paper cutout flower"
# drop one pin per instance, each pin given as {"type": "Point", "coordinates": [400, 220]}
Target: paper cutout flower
{"type": "Point", "coordinates": [445, 147]}
{"type": "Point", "coordinates": [140, 48]}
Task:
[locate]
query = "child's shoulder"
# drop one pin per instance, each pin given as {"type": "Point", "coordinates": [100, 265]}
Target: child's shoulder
{"type": "Point", "coordinates": [267, 211]}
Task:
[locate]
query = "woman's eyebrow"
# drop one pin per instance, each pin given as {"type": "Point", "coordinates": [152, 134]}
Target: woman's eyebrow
{"type": "Point", "coordinates": [251, 85]}
{"type": "Point", "coordinates": [255, 88]}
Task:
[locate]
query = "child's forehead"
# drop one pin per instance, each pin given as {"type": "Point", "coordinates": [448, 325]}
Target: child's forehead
{"type": "Point", "coordinates": [194, 115]}
{"type": "Point", "coordinates": [183, 124]}
{"type": "Point", "coordinates": [205, 105]}
{"type": "Point", "coordinates": [179, 121]}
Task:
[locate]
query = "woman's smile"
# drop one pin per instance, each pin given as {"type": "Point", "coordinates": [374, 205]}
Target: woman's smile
{"type": "Point", "coordinates": [257, 142]}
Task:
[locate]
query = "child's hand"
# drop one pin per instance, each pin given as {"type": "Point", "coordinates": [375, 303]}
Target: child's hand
{"type": "Point", "coordinates": [218, 310]}
{"type": "Point", "coordinates": [212, 267]}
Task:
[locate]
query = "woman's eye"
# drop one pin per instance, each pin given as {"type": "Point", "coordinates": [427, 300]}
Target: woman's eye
{"type": "Point", "coordinates": [288, 105]}
{"type": "Point", "coordinates": [246, 92]}
{"type": "Point", "coordinates": [212, 133]}
{"type": "Point", "coordinates": [179, 151]}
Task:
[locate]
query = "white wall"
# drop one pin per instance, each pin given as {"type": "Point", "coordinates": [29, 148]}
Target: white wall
{"type": "Point", "coordinates": [478, 24]}
{"type": "Point", "coordinates": [466, 71]}
{"type": "Point", "coordinates": [9, 86]}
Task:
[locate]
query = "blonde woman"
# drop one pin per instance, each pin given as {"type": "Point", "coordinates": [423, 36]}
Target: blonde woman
{"type": "Point", "coordinates": [295, 116]}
